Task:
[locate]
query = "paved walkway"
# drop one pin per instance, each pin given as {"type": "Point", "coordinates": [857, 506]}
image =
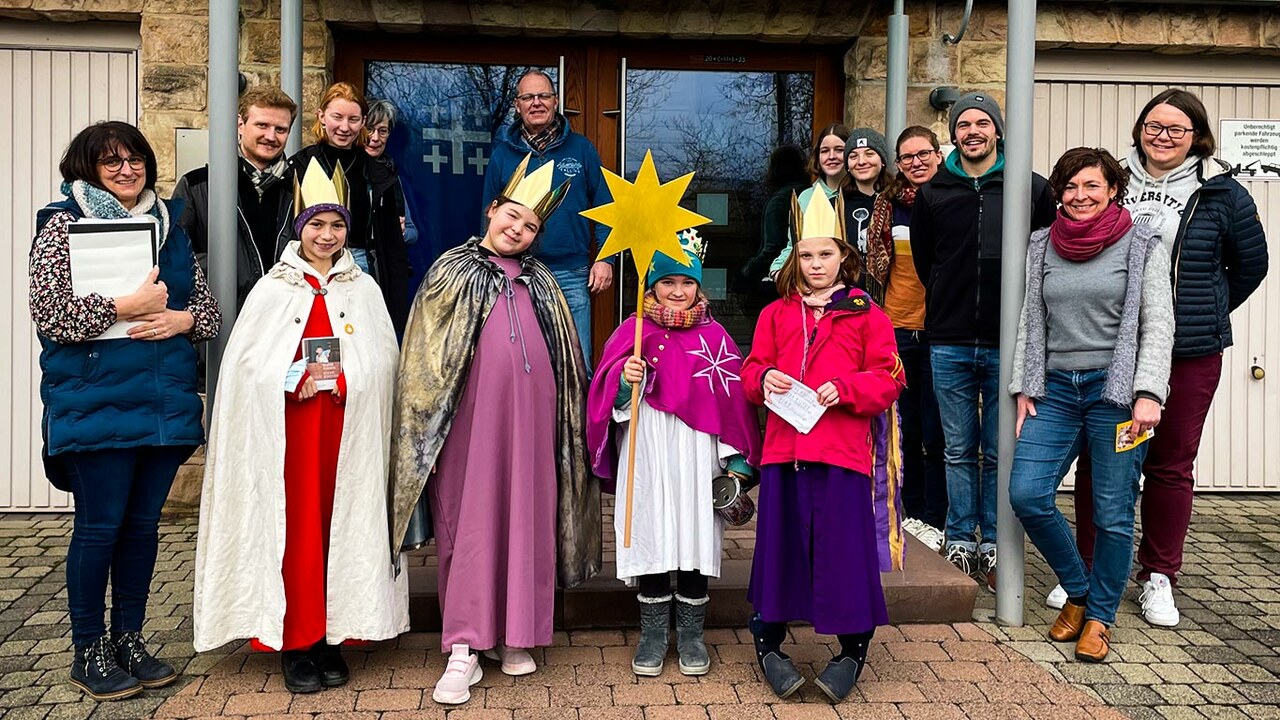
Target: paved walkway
{"type": "Point", "coordinates": [1221, 662]}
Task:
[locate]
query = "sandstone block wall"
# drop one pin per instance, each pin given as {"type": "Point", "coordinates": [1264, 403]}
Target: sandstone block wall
{"type": "Point", "coordinates": [978, 62]}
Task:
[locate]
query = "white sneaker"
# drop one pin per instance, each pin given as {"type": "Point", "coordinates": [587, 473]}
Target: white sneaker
{"type": "Point", "coordinates": [463, 671]}
{"type": "Point", "coordinates": [1157, 602]}
{"type": "Point", "coordinates": [1057, 598]}
{"type": "Point", "coordinates": [932, 537]}
{"type": "Point", "coordinates": [515, 661]}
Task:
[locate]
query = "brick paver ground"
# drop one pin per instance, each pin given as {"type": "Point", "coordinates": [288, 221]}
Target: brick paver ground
{"type": "Point", "coordinates": [1221, 662]}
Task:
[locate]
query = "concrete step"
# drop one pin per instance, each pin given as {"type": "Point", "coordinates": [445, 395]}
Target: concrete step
{"type": "Point", "coordinates": [929, 590]}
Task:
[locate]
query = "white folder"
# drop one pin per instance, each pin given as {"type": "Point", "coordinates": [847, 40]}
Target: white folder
{"type": "Point", "coordinates": [112, 258]}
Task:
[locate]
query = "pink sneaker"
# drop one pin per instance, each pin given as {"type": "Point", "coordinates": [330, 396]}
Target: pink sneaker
{"type": "Point", "coordinates": [463, 671]}
{"type": "Point", "coordinates": [515, 661]}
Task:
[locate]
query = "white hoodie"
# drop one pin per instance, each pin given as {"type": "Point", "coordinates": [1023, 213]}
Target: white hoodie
{"type": "Point", "coordinates": [1159, 202]}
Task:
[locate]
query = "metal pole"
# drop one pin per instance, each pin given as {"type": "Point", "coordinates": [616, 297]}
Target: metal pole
{"type": "Point", "coordinates": [895, 96]}
{"type": "Point", "coordinates": [1019, 106]}
{"type": "Point", "coordinates": [224, 54]}
{"type": "Point", "coordinates": [291, 65]}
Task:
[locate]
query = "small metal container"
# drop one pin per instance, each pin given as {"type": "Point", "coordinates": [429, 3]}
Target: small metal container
{"type": "Point", "coordinates": [730, 500]}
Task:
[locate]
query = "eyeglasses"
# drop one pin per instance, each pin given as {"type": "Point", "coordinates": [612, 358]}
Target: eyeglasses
{"type": "Point", "coordinates": [380, 132]}
{"type": "Point", "coordinates": [1176, 132]}
{"type": "Point", "coordinates": [922, 156]}
{"type": "Point", "coordinates": [545, 97]}
{"type": "Point", "coordinates": [115, 162]}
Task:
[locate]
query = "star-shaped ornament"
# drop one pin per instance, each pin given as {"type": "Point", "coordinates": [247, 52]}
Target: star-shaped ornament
{"type": "Point", "coordinates": [716, 370]}
{"type": "Point", "coordinates": [645, 216]}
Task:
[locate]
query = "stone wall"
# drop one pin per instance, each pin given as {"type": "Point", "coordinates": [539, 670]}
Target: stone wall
{"type": "Point", "coordinates": [173, 71]}
{"type": "Point", "coordinates": [978, 61]}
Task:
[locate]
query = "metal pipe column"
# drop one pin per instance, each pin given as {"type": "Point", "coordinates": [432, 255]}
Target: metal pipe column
{"type": "Point", "coordinates": [291, 65]}
{"type": "Point", "coordinates": [895, 96]}
{"type": "Point", "coordinates": [1019, 107]}
{"type": "Point", "coordinates": [224, 76]}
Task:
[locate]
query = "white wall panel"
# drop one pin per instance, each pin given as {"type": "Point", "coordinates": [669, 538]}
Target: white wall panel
{"type": "Point", "coordinates": [50, 94]}
{"type": "Point", "coordinates": [1240, 450]}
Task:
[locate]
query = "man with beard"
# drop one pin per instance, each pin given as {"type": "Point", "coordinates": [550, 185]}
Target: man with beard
{"type": "Point", "coordinates": [264, 196]}
{"type": "Point", "coordinates": [957, 224]}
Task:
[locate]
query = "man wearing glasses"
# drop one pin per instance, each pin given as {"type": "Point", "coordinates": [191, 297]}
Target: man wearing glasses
{"type": "Point", "coordinates": [565, 243]}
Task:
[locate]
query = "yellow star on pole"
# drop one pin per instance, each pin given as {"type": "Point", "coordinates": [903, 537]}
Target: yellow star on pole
{"type": "Point", "coordinates": [644, 217]}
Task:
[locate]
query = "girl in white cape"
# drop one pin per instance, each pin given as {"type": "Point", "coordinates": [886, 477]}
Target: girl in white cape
{"type": "Point", "coordinates": [293, 550]}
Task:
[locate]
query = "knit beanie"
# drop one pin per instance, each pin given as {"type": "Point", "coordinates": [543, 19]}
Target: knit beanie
{"type": "Point", "coordinates": [866, 138]}
{"type": "Point", "coordinates": [663, 266]}
{"type": "Point", "coordinates": [970, 101]}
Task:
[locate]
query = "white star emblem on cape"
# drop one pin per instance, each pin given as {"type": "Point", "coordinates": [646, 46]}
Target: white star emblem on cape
{"type": "Point", "coordinates": [716, 370]}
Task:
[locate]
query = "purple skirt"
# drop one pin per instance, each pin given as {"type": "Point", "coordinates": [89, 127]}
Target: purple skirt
{"type": "Point", "coordinates": [816, 555]}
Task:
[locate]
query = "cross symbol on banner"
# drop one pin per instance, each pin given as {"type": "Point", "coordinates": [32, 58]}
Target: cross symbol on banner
{"type": "Point", "coordinates": [478, 160]}
{"type": "Point", "coordinates": [435, 159]}
{"type": "Point", "coordinates": [457, 139]}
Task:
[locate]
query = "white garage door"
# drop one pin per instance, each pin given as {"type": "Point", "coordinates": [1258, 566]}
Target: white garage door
{"type": "Point", "coordinates": [1092, 99]}
{"type": "Point", "coordinates": [54, 80]}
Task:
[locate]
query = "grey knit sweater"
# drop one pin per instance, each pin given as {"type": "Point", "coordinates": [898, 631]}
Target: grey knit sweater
{"type": "Point", "coordinates": [1113, 311]}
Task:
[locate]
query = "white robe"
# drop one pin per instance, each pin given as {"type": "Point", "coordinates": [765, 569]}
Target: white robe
{"type": "Point", "coordinates": [674, 524]}
{"type": "Point", "coordinates": [239, 589]}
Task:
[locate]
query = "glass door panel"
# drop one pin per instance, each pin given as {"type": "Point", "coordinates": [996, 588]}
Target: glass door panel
{"type": "Point", "coordinates": [448, 114]}
{"type": "Point", "coordinates": [721, 125]}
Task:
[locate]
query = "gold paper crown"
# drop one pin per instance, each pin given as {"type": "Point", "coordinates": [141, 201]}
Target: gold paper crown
{"type": "Point", "coordinates": [820, 218]}
{"type": "Point", "coordinates": [317, 188]}
{"type": "Point", "coordinates": [534, 190]}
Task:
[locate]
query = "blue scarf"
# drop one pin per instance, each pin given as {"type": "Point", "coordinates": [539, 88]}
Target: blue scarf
{"type": "Point", "coordinates": [97, 203]}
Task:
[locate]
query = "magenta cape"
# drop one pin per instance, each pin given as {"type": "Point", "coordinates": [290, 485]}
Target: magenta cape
{"type": "Point", "coordinates": [693, 374]}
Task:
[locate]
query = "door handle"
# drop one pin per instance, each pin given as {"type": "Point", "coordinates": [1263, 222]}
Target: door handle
{"type": "Point", "coordinates": [1257, 372]}
{"type": "Point", "coordinates": [611, 113]}
{"type": "Point", "coordinates": [570, 112]}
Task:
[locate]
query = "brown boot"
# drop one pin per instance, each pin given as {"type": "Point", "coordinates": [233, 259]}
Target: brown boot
{"type": "Point", "coordinates": [1067, 627]}
{"type": "Point", "coordinates": [1094, 642]}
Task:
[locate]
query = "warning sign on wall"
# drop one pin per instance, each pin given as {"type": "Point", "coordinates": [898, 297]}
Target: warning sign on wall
{"type": "Point", "coordinates": [1251, 147]}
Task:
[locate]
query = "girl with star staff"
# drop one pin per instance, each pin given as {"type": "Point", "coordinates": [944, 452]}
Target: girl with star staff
{"type": "Point", "coordinates": [817, 536]}
{"type": "Point", "coordinates": [693, 423]}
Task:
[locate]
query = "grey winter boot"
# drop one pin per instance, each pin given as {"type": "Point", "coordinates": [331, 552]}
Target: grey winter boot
{"type": "Point", "coordinates": [691, 615]}
{"type": "Point", "coordinates": [655, 624]}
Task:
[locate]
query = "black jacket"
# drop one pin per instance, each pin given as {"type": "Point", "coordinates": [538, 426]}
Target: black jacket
{"type": "Point", "coordinates": [262, 226]}
{"type": "Point", "coordinates": [1219, 258]}
{"type": "Point", "coordinates": [956, 236]}
{"type": "Point", "coordinates": [375, 223]}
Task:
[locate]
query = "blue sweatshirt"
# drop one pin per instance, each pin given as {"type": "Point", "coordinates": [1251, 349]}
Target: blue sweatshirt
{"type": "Point", "coordinates": [565, 242]}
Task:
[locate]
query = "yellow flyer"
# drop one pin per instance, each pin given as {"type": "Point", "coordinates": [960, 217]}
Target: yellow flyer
{"type": "Point", "coordinates": [1124, 443]}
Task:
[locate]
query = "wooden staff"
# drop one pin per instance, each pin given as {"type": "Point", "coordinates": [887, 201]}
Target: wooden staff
{"type": "Point", "coordinates": [635, 414]}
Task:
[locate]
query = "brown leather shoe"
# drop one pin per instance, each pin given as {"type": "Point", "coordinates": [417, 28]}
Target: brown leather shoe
{"type": "Point", "coordinates": [1069, 623]}
{"type": "Point", "coordinates": [1094, 642]}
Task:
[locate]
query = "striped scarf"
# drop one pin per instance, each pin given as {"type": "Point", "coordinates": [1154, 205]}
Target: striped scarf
{"type": "Point", "coordinates": [674, 319]}
{"type": "Point", "coordinates": [540, 140]}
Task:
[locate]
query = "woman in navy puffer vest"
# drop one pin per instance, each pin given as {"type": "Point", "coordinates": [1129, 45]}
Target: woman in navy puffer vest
{"type": "Point", "coordinates": [120, 415]}
{"type": "Point", "coordinates": [1218, 250]}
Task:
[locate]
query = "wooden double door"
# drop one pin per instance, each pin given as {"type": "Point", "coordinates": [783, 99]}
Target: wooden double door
{"type": "Point", "coordinates": [718, 110]}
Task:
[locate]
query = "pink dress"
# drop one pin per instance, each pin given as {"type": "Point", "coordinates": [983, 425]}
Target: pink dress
{"type": "Point", "coordinates": [493, 497]}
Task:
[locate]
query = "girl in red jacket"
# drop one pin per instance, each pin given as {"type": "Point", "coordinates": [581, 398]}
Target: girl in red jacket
{"type": "Point", "coordinates": [816, 555]}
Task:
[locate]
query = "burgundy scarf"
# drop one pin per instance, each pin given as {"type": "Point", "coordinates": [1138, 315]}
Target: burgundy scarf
{"type": "Point", "coordinates": [1080, 240]}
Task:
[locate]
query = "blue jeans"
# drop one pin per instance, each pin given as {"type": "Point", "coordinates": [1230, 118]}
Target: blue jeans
{"type": "Point", "coordinates": [361, 256]}
{"type": "Point", "coordinates": [118, 496]}
{"type": "Point", "coordinates": [573, 283]}
{"type": "Point", "coordinates": [1071, 416]}
{"type": "Point", "coordinates": [924, 481]}
{"type": "Point", "coordinates": [963, 375]}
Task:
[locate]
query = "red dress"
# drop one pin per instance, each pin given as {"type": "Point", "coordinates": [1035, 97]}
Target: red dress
{"type": "Point", "coordinates": [313, 434]}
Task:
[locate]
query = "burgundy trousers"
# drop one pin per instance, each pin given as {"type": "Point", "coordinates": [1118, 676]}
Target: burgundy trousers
{"type": "Point", "coordinates": [1168, 487]}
